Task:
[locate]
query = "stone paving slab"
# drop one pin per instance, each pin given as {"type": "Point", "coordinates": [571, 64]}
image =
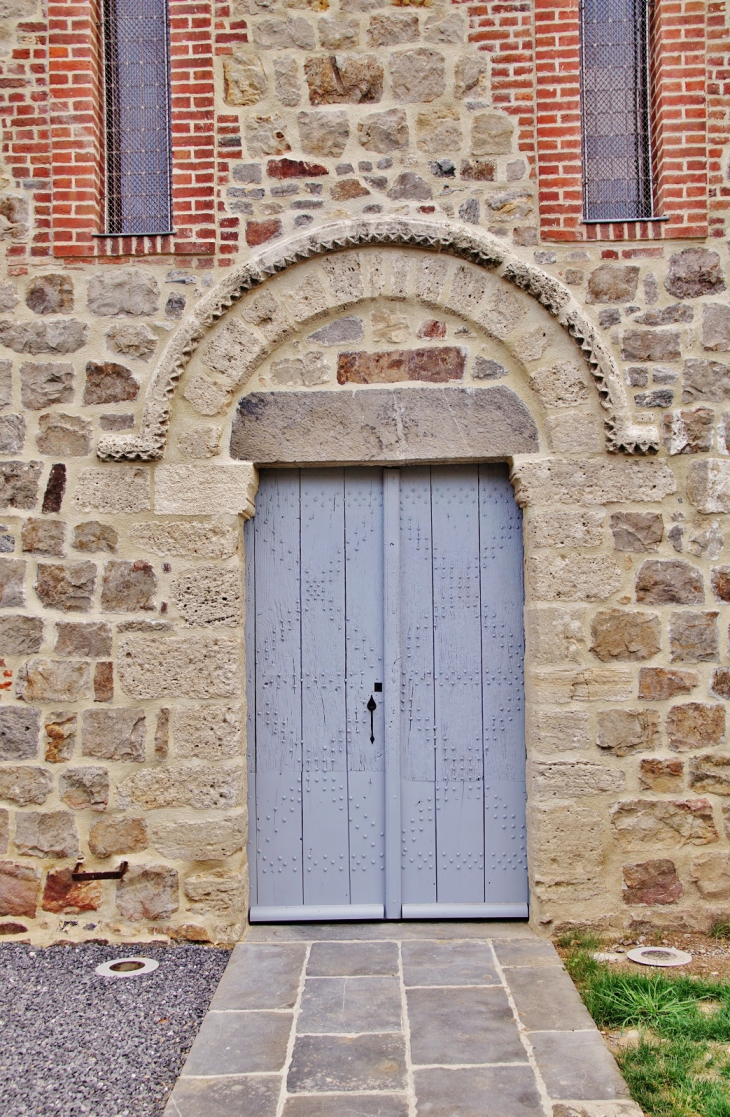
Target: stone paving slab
{"type": "Point", "coordinates": [398, 1020]}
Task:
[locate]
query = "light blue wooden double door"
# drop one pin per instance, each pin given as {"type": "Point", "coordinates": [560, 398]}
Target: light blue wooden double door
{"type": "Point", "coordinates": [384, 647]}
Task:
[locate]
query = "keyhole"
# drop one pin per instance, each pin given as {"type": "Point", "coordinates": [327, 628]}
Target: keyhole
{"type": "Point", "coordinates": [372, 707]}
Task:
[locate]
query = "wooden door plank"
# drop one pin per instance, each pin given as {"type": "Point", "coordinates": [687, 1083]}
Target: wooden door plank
{"type": "Point", "coordinates": [249, 555]}
{"type": "Point", "coordinates": [391, 691]}
{"type": "Point", "coordinates": [278, 682]}
{"type": "Point", "coordinates": [503, 687]}
{"type": "Point", "coordinates": [324, 731]}
{"type": "Point", "coordinates": [364, 668]}
{"type": "Point", "coordinates": [417, 735]}
{"type": "Point", "coordinates": [458, 685]}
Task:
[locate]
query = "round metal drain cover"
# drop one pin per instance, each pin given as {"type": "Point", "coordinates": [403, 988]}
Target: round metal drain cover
{"type": "Point", "coordinates": [659, 956]}
{"type": "Point", "coordinates": [127, 967]}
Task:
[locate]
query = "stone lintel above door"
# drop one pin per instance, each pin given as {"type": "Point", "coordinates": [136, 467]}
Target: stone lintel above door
{"type": "Point", "coordinates": [386, 426]}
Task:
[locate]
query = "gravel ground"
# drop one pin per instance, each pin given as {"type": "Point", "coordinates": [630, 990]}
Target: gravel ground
{"type": "Point", "coordinates": [73, 1043]}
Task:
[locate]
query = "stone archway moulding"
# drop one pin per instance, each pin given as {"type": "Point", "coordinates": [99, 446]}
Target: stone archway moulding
{"type": "Point", "coordinates": [457, 240]}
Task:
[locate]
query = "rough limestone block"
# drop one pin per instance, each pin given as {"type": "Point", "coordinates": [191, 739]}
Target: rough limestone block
{"type": "Point", "coordinates": [669, 582]}
{"type": "Point", "coordinates": [694, 272]}
{"type": "Point", "coordinates": [663, 824]}
{"type": "Point", "coordinates": [60, 735]}
{"type": "Point", "coordinates": [711, 874]}
{"type": "Point", "coordinates": [619, 634]}
{"type": "Point", "coordinates": [113, 488]}
{"type": "Point", "coordinates": [555, 635]}
{"type": "Point", "coordinates": [593, 482]}
{"type": "Point", "coordinates": [20, 635]}
{"type": "Point", "coordinates": [12, 583]}
{"type": "Point", "coordinates": [695, 725]}
{"type": "Point", "coordinates": [93, 536]}
{"type": "Point", "coordinates": [693, 637]}
{"type": "Point", "coordinates": [214, 736]}
{"type": "Point", "coordinates": [556, 686]}
{"type": "Point", "coordinates": [24, 785]}
{"type": "Point", "coordinates": [43, 537]}
{"type": "Point", "coordinates": [688, 432]}
{"type": "Point", "coordinates": [384, 131]}
{"type": "Point", "coordinates": [637, 531]}
{"type": "Point", "coordinates": [705, 380]}
{"type": "Point", "coordinates": [572, 779]}
{"type": "Point", "coordinates": [192, 839]}
{"type": "Point", "coordinates": [568, 852]}
{"type": "Point", "coordinates": [206, 396]}
{"type": "Point", "coordinates": [121, 292]}
{"type": "Point", "coordinates": [209, 595]}
{"type": "Point", "coordinates": [109, 383]}
{"type": "Point", "coordinates": [53, 680]}
{"type": "Point", "coordinates": [201, 786]}
{"type": "Point", "coordinates": [84, 788]}
{"type": "Point", "coordinates": [198, 666]}
{"type": "Point", "coordinates": [92, 639]}
{"type": "Point", "coordinates": [4, 831]}
{"type": "Point", "coordinates": [344, 79]}
{"type": "Point", "coordinates": [67, 587]}
{"type": "Point", "coordinates": [46, 834]}
{"type": "Point", "coordinates": [662, 776]}
{"type": "Point", "coordinates": [624, 731]}
{"type": "Point", "coordinates": [244, 80]}
{"type": "Point", "coordinates": [710, 773]}
{"type": "Point", "coordinates": [491, 134]}
{"type": "Point", "coordinates": [323, 133]}
{"type": "Point", "coordinates": [50, 294]}
{"type": "Point", "coordinates": [216, 890]}
{"type": "Point", "coordinates": [114, 734]}
{"type": "Point", "coordinates": [128, 586]}
{"type": "Point", "coordinates": [186, 540]}
{"type": "Point", "coordinates": [19, 889]}
{"type": "Point", "coordinates": [613, 283]}
{"type": "Point", "coordinates": [148, 892]}
{"type": "Point", "coordinates": [573, 577]}
{"type": "Point", "coordinates": [64, 435]}
{"type": "Point", "coordinates": [225, 489]}
{"type": "Point", "coordinates": [652, 882]}
{"type": "Point", "coordinates": [558, 528]}
{"type": "Point", "coordinates": [110, 836]}
{"type": "Point", "coordinates": [560, 385]}
{"type": "Point", "coordinates": [417, 75]}
{"type": "Point", "coordinates": [708, 485]}
{"type": "Point", "coordinates": [131, 340]}
{"type": "Point", "coordinates": [12, 434]}
{"type": "Point", "coordinates": [656, 684]}
{"type": "Point", "coordinates": [19, 484]}
{"type": "Point", "coordinates": [57, 335]}
{"type": "Point", "coordinates": [62, 893]}
{"type": "Point", "coordinates": [566, 731]}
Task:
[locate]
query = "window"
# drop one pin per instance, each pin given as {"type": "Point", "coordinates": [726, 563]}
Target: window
{"type": "Point", "coordinates": [137, 120]}
{"type": "Point", "coordinates": [615, 105]}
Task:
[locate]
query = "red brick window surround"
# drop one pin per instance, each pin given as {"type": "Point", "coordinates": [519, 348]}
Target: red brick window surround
{"type": "Point", "coordinates": [679, 124]}
{"type": "Point", "coordinates": [77, 134]}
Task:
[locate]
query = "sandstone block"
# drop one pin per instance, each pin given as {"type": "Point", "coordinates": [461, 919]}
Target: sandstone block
{"type": "Point", "coordinates": [104, 682]}
{"type": "Point", "coordinates": [618, 634]}
{"type": "Point", "coordinates": [24, 785]}
{"type": "Point", "coordinates": [233, 352]}
{"type": "Point", "coordinates": [19, 889]}
{"type": "Point", "coordinates": [201, 786]}
{"type": "Point", "coordinates": [215, 736]}
{"type": "Point", "coordinates": [64, 894]}
{"type": "Point", "coordinates": [201, 840]}
{"type": "Point", "coordinates": [624, 731]}
{"type": "Point", "coordinates": [114, 734]}
{"type": "Point", "coordinates": [46, 834]}
{"type": "Point", "coordinates": [287, 81]}
{"type": "Point", "coordinates": [280, 34]}
{"type": "Point", "coordinates": [84, 788]}
{"type": "Point", "coordinates": [716, 327]}
{"type": "Point", "coordinates": [4, 831]}
{"type": "Point", "coordinates": [652, 882]}
{"type": "Point", "coordinates": [439, 129]}
{"type": "Point", "coordinates": [338, 34]}
{"type": "Point", "coordinates": [418, 75]}
{"type": "Point", "coordinates": [94, 536]}
{"type": "Point", "coordinates": [12, 434]}
{"type": "Point", "coordinates": [209, 595]}
{"type": "Point", "coordinates": [651, 345]}
{"type": "Point", "coordinates": [148, 892]}
{"type": "Point", "coordinates": [266, 135]}
{"type": "Point", "coordinates": [123, 292]}
{"type": "Point", "coordinates": [695, 725]}
{"type": "Point", "coordinates": [64, 435]}
{"type": "Point", "coordinates": [131, 340]}
{"type": "Point", "coordinates": [656, 684]}
{"type": "Point", "coordinates": [114, 488]}
{"type": "Point", "coordinates": [348, 188]}
{"type": "Point", "coordinates": [694, 272]}
{"type": "Point", "coordinates": [693, 637]}
{"type": "Point", "coordinates": [558, 528]}
{"type": "Point", "coordinates": [200, 442]}
{"type": "Point", "coordinates": [471, 74]}
{"type": "Point", "coordinates": [560, 732]}
{"type": "Point", "coordinates": [720, 683]}
{"type": "Point", "coordinates": [663, 823]}
{"type": "Point", "coordinates": [344, 79]}
{"type": "Point", "coordinates": [313, 368]}
{"type": "Point", "coordinates": [43, 537]}
{"type": "Point", "coordinates": [57, 335]}
{"type": "Point", "coordinates": [572, 779]}
{"type": "Point", "coordinates": [128, 586]}
{"type": "Point", "coordinates": [69, 588]}
{"type": "Point", "coordinates": [20, 635]}
{"type": "Point", "coordinates": [389, 28]}
{"type": "Point", "coordinates": [60, 735]}
{"type": "Point", "coordinates": [669, 581]}
{"type": "Point", "coordinates": [244, 80]}
{"type": "Point", "coordinates": [323, 134]}
{"type": "Point", "coordinates": [19, 484]}
{"type": "Point", "coordinates": [613, 283]}
{"type": "Point", "coordinates": [568, 843]}
{"type": "Point", "coordinates": [109, 382]}
{"type": "Point", "coordinates": [206, 396]}
{"type": "Point", "coordinates": [711, 874]}
{"type": "Point", "coordinates": [384, 131]}
{"type": "Point", "coordinates": [555, 635]}
{"type": "Point", "coordinates": [110, 836]}
{"type": "Point", "coordinates": [560, 385]}
{"type": "Point", "coordinates": [50, 294]}
{"type": "Point", "coordinates": [6, 383]}
{"type": "Point", "coordinates": [662, 776]}
{"type": "Point", "coordinates": [555, 686]}
{"type": "Point", "coordinates": [573, 578]}
{"type": "Point", "coordinates": [593, 482]}
{"type": "Point", "coordinates": [12, 583]}
{"type": "Point", "coordinates": [710, 773]}
{"type": "Point", "coordinates": [200, 666]}
{"type": "Point", "coordinates": [186, 540]}
{"type": "Point", "coordinates": [53, 680]}
{"type": "Point", "coordinates": [92, 639]}
{"type": "Point", "coordinates": [637, 531]}
{"type": "Point", "coordinates": [193, 490]}
{"type": "Point", "coordinates": [491, 134]}
{"type": "Point", "coordinates": [216, 890]}
{"type": "Point", "coordinates": [436, 365]}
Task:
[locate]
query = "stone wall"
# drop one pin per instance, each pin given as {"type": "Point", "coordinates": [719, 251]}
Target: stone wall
{"type": "Point", "coordinates": [387, 200]}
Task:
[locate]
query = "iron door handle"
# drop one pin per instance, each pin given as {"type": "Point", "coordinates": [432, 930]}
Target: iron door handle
{"type": "Point", "coordinates": [372, 707]}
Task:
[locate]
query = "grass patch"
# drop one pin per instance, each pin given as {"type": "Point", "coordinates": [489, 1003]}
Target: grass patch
{"type": "Point", "coordinates": [681, 1064]}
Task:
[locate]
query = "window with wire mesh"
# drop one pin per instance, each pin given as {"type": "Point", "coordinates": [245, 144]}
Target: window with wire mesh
{"type": "Point", "coordinates": [615, 105]}
{"type": "Point", "coordinates": [137, 117]}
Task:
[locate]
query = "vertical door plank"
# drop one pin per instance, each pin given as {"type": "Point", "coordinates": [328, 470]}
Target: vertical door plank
{"type": "Point", "coordinates": [418, 757]}
{"type": "Point", "coordinates": [458, 685]}
{"type": "Point", "coordinates": [278, 682]}
{"type": "Point", "coordinates": [391, 690]}
{"type": "Point", "coordinates": [249, 556]}
{"type": "Point", "coordinates": [324, 733]}
{"type": "Point", "coordinates": [503, 687]}
{"type": "Point", "coordinates": [364, 666]}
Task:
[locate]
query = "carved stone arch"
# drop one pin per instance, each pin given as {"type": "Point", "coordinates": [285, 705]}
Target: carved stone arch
{"type": "Point", "coordinates": [447, 238]}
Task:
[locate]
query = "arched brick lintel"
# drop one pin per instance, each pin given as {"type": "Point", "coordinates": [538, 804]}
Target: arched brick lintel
{"type": "Point", "coordinates": [461, 241]}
